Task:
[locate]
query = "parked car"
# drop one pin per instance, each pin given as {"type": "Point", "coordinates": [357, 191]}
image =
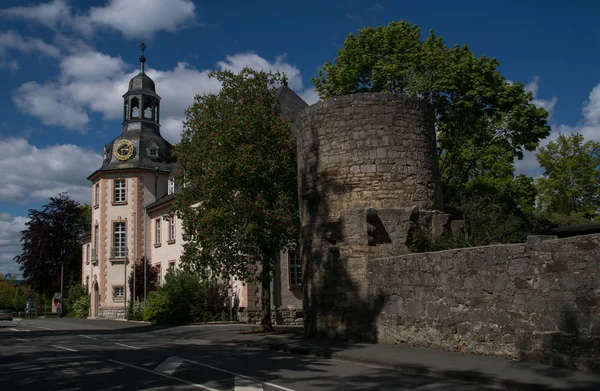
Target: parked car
{"type": "Point", "coordinates": [5, 315]}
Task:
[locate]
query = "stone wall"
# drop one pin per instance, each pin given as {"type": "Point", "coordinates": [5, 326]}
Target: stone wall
{"type": "Point", "coordinates": [367, 175]}
{"type": "Point", "coordinates": [280, 316]}
{"type": "Point", "coordinates": [111, 313]}
{"type": "Point", "coordinates": [539, 300]}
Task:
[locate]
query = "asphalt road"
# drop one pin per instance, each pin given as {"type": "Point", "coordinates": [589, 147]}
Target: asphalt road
{"type": "Point", "coordinates": [82, 354]}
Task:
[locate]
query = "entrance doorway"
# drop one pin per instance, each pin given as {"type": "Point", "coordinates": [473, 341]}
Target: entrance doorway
{"type": "Point", "coordinates": [95, 299]}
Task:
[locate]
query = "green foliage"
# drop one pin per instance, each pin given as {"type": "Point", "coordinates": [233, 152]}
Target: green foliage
{"type": "Point", "coordinates": [238, 202]}
{"type": "Point", "coordinates": [73, 295]}
{"type": "Point", "coordinates": [483, 122]}
{"type": "Point", "coordinates": [51, 237]}
{"type": "Point", "coordinates": [135, 310]}
{"type": "Point", "coordinates": [152, 272]}
{"type": "Point", "coordinates": [157, 307]}
{"type": "Point", "coordinates": [185, 297]}
{"type": "Point", "coordinates": [19, 300]}
{"type": "Point", "coordinates": [80, 307]}
{"type": "Point", "coordinates": [423, 241]}
{"type": "Point", "coordinates": [569, 190]}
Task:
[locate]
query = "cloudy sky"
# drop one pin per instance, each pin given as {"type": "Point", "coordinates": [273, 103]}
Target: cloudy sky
{"type": "Point", "coordinates": [65, 64]}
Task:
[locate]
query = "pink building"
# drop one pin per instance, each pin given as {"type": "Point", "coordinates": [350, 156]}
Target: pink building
{"type": "Point", "coordinates": [132, 194]}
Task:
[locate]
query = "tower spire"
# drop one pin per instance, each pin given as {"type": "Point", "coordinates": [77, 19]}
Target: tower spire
{"type": "Point", "coordinates": [142, 58]}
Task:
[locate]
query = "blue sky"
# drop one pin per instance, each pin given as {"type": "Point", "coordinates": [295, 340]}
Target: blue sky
{"type": "Point", "coordinates": [64, 66]}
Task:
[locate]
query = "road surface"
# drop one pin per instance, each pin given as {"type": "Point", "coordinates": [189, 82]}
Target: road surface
{"type": "Point", "coordinates": [84, 354]}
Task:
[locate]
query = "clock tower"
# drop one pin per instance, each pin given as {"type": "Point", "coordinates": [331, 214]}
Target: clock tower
{"type": "Point", "coordinates": [134, 174]}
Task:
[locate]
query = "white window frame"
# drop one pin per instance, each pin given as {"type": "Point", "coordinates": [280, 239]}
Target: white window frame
{"type": "Point", "coordinates": [157, 232]}
{"type": "Point", "coordinates": [171, 185]}
{"type": "Point", "coordinates": [294, 268]}
{"type": "Point", "coordinates": [115, 292]}
{"type": "Point", "coordinates": [120, 241]}
{"type": "Point", "coordinates": [172, 229]}
{"type": "Point", "coordinates": [97, 194]}
{"type": "Point", "coordinates": [120, 190]}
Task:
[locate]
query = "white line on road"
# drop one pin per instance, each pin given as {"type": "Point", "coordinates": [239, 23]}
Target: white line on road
{"type": "Point", "coordinates": [22, 339]}
{"type": "Point", "coordinates": [128, 346]}
{"type": "Point", "coordinates": [62, 347]}
{"type": "Point", "coordinates": [45, 328]}
{"type": "Point", "coordinates": [87, 336]}
{"type": "Point", "coordinates": [169, 366]}
{"type": "Point", "coordinates": [240, 375]}
{"type": "Point", "coordinates": [13, 329]}
{"type": "Point", "coordinates": [165, 375]}
{"type": "Point", "coordinates": [242, 384]}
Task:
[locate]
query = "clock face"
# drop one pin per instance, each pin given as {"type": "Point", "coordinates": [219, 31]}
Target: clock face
{"type": "Point", "coordinates": [123, 150]}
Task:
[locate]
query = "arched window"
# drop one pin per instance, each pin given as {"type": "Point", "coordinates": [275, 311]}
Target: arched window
{"type": "Point", "coordinates": [135, 108]}
{"type": "Point", "coordinates": [147, 108]}
{"type": "Point", "coordinates": [156, 112]}
{"type": "Point", "coordinates": [126, 110]}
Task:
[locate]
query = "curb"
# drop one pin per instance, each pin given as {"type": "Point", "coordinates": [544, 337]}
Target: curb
{"type": "Point", "coordinates": [416, 369]}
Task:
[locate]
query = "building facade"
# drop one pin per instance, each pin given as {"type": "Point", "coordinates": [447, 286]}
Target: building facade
{"type": "Point", "coordinates": [132, 195]}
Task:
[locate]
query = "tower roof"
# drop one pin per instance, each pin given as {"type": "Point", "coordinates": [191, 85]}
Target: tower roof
{"type": "Point", "coordinates": [142, 82]}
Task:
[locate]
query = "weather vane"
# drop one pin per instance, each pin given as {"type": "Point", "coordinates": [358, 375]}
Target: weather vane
{"type": "Point", "coordinates": [142, 58]}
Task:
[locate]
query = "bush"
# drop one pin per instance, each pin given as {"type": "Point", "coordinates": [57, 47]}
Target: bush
{"type": "Point", "coordinates": [73, 295]}
{"type": "Point", "coordinates": [81, 307]}
{"type": "Point", "coordinates": [135, 310]}
{"type": "Point", "coordinates": [157, 307]}
{"type": "Point", "coordinates": [422, 241]}
{"type": "Point", "coordinates": [184, 297]}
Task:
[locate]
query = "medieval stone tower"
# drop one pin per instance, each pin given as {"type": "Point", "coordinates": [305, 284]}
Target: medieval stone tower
{"type": "Point", "coordinates": [368, 175]}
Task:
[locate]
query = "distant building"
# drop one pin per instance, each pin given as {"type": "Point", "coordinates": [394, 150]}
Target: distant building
{"type": "Point", "coordinates": [132, 194]}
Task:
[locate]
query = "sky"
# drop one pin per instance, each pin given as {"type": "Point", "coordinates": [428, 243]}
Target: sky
{"type": "Point", "coordinates": [65, 64]}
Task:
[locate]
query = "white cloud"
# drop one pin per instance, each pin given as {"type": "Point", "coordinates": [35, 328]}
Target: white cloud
{"type": "Point", "coordinates": [310, 96]}
{"type": "Point", "coordinates": [13, 41]}
{"type": "Point", "coordinates": [143, 17]}
{"type": "Point", "coordinates": [53, 15]}
{"type": "Point", "coordinates": [547, 104]}
{"type": "Point", "coordinates": [132, 18]}
{"type": "Point", "coordinates": [92, 82]}
{"type": "Point", "coordinates": [10, 246]}
{"type": "Point", "coordinates": [31, 173]}
{"type": "Point", "coordinates": [589, 128]}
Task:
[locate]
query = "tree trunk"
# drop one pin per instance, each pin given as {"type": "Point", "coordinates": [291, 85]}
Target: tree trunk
{"type": "Point", "coordinates": [265, 300]}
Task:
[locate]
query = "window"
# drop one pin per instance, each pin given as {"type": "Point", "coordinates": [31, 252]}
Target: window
{"type": "Point", "coordinates": [119, 195]}
{"type": "Point", "coordinates": [294, 267]}
{"type": "Point", "coordinates": [159, 272]}
{"type": "Point", "coordinates": [171, 184]}
{"type": "Point", "coordinates": [96, 194]}
{"type": "Point", "coordinates": [119, 246]}
{"type": "Point", "coordinates": [171, 266]}
{"type": "Point", "coordinates": [171, 229]}
{"type": "Point", "coordinates": [87, 254]}
{"type": "Point", "coordinates": [118, 292]}
{"type": "Point", "coordinates": [95, 249]}
{"type": "Point", "coordinates": [152, 152]}
{"type": "Point", "coordinates": [87, 283]}
{"type": "Point", "coordinates": [157, 232]}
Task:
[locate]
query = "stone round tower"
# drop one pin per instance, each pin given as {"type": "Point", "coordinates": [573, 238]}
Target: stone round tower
{"type": "Point", "coordinates": [367, 170]}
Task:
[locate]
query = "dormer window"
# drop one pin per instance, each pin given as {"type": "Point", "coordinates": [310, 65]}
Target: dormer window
{"type": "Point", "coordinates": [152, 151]}
{"type": "Point", "coordinates": [171, 184]}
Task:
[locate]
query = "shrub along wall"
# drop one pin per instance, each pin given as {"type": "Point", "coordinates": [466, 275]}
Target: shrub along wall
{"type": "Point", "coordinates": [539, 300]}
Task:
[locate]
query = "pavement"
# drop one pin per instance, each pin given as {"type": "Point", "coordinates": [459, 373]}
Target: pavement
{"type": "Point", "coordinates": [85, 354]}
{"type": "Point", "coordinates": [486, 370]}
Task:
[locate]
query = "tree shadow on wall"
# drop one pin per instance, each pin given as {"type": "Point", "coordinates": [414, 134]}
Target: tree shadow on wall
{"type": "Point", "coordinates": [335, 305]}
{"type": "Point", "coordinates": [572, 347]}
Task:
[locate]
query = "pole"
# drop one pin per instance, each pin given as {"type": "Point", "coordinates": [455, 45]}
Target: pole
{"type": "Point", "coordinates": [144, 256]}
{"type": "Point", "coordinates": [134, 255]}
{"type": "Point", "coordinates": [125, 273]}
{"type": "Point", "coordinates": [62, 270]}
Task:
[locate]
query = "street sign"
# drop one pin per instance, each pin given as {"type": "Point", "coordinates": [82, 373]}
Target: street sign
{"type": "Point", "coordinates": [57, 296]}
{"type": "Point", "coordinates": [30, 294]}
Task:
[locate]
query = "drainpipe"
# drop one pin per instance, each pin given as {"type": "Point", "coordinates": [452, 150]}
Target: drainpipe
{"type": "Point", "coordinates": [144, 252]}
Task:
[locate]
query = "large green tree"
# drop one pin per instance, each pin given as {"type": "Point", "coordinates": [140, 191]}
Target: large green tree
{"type": "Point", "coordinates": [482, 121]}
{"type": "Point", "coordinates": [570, 184]}
{"type": "Point", "coordinates": [52, 237]}
{"type": "Point", "coordinates": [238, 199]}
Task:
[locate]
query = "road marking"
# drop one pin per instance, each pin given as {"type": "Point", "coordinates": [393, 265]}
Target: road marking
{"type": "Point", "coordinates": [242, 384]}
{"type": "Point", "coordinates": [128, 346]}
{"type": "Point", "coordinates": [87, 336]}
{"type": "Point", "coordinates": [19, 330]}
{"type": "Point", "coordinates": [22, 339]}
{"type": "Point", "coordinates": [240, 375]}
{"type": "Point", "coordinates": [62, 347]}
{"type": "Point", "coordinates": [169, 366]}
{"type": "Point", "coordinates": [165, 375]}
{"type": "Point", "coordinates": [45, 328]}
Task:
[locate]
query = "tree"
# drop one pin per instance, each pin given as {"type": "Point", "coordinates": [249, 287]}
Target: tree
{"type": "Point", "coordinates": [238, 202]}
{"type": "Point", "coordinates": [151, 278]}
{"type": "Point", "coordinates": [570, 184]}
{"type": "Point", "coordinates": [51, 237]}
{"type": "Point", "coordinates": [480, 118]}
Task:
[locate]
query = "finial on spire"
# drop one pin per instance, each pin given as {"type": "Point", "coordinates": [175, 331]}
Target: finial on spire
{"type": "Point", "coordinates": [284, 79]}
{"type": "Point", "coordinates": [142, 58]}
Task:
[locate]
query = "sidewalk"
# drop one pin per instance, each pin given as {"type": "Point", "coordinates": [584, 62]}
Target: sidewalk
{"type": "Point", "coordinates": [490, 371]}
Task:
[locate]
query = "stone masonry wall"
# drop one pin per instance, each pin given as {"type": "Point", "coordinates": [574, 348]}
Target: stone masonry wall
{"type": "Point", "coordinates": [539, 300]}
{"type": "Point", "coordinates": [359, 153]}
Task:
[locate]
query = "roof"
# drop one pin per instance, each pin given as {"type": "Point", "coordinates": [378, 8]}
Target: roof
{"type": "Point", "coordinates": [165, 200]}
{"type": "Point", "coordinates": [142, 82]}
{"type": "Point", "coordinates": [289, 102]}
